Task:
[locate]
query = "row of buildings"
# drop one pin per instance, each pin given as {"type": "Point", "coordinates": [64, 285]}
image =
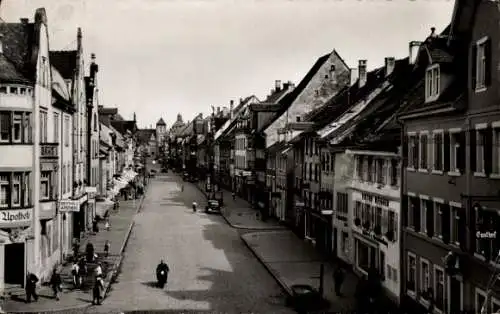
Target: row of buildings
{"type": "Point", "coordinates": [395, 168]}
{"type": "Point", "coordinates": [59, 149]}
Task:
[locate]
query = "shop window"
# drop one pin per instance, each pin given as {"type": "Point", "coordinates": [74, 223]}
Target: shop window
{"type": "Point", "coordinates": [4, 190]}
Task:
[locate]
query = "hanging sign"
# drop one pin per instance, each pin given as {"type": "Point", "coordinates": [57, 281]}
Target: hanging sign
{"type": "Point", "coordinates": [69, 206]}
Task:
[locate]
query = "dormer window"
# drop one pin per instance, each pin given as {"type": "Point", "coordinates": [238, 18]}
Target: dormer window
{"type": "Point", "coordinates": [432, 83]}
{"type": "Point", "coordinates": [482, 62]}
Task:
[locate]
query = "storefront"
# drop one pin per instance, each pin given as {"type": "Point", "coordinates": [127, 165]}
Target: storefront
{"type": "Point", "coordinates": [16, 246]}
{"type": "Point", "coordinates": [367, 254]}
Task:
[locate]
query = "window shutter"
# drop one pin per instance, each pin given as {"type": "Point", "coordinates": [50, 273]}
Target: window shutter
{"type": "Point", "coordinates": [487, 66]}
{"type": "Point", "coordinates": [395, 227]}
{"type": "Point", "coordinates": [406, 144]}
{"type": "Point", "coordinates": [416, 214]}
{"type": "Point", "coordinates": [461, 152]}
{"type": "Point", "coordinates": [488, 150]}
{"type": "Point", "coordinates": [404, 206]}
{"type": "Point", "coordinates": [446, 155]}
{"type": "Point", "coordinates": [472, 137]}
{"type": "Point", "coordinates": [430, 218]}
{"type": "Point", "coordinates": [473, 67]}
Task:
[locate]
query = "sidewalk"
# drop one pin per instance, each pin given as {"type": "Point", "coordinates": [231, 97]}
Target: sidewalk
{"type": "Point", "coordinates": [292, 261]}
{"type": "Point", "coordinates": [75, 300]}
{"type": "Point", "coordinates": [238, 213]}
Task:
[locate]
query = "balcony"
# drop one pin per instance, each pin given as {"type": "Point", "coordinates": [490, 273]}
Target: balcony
{"type": "Point", "coordinates": [49, 150]}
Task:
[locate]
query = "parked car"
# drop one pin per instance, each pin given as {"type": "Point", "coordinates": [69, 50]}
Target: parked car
{"type": "Point", "coordinates": [213, 206]}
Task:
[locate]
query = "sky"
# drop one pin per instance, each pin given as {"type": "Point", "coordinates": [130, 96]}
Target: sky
{"type": "Point", "coordinates": [158, 58]}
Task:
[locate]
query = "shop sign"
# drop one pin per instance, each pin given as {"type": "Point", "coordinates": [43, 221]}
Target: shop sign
{"type": "Point", "coordinates": [16, 215]}
{"type": "Point", "coordinates": [69, 206]}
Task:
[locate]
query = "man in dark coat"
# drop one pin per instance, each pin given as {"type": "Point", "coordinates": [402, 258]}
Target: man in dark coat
{"type": "Point", "coordinates": [97, 290]}
{"type": "Point", "coordinates": [55, 283]}
{"type": "Point", "coordinates": [338, 279]}
{"type": "Point", "coordinates": [31, 280]}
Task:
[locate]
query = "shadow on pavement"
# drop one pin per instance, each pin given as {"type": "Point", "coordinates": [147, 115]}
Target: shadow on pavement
{"type": "Point", "coordinates": [151, 284]}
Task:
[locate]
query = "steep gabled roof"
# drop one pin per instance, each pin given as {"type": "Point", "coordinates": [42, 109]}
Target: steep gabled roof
{"type": "Point", "coordinates": [143, 135]}
{"type": "Point", "coordinates": [161, 122]}
{"type": "Point", "coordinates": [108, 111]}
{"type": "Point", "coordinates": [124, 126]}
{"type": "Point", "coordinates": [17, 45]}
{"type": "Point", "coordinates": [9, 73]}
{"type": "Point", "coordinates": [287, 101]}
{"type": "Point", "coordinates": [64, 62]}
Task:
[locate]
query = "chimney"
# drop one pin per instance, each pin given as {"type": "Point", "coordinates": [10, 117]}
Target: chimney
{"type": "Point", "coordinates": [241, 100]}
{"type": "Point", "coordinates": [433, 32]}
{"type": "Point", "coordinates": [24, 20]}
{"type": "Point", "coordinates": [362, 73]}
{"type": "Point", "coordinates": [231, 107]}
{"type": "Point", "coordinates": [414, 47]}
{"type": "Point", "coordinates": [1, 43]}
{"type": "Point", "coordinates": [390, 62]}
{"type": "Point", "coordinates": [354, 75]}
{"type": "Point", "coordinates": [291, 85]}
{"type": "Point", "coordinates": [277, 85]}
{"type": "Point", "coordinates": [94, 68]}
{"type": "Point", "coordinates": [218, 110]}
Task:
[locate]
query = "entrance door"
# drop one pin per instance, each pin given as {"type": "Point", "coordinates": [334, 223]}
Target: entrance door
{"type": "Point", "coordinates": [14, 264]}
{"type": "Point", "coordinates": [455, 295]}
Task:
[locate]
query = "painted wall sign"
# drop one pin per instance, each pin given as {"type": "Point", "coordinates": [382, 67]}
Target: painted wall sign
{"type": "Point", "coordinates": [69, 206]}
{"type": "Point", "coordinates": [15, 215]}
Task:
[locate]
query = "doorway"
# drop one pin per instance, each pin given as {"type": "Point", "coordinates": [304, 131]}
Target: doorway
{"type": "Point", "coordinates": [14, 264]}
{"type": "Point", "coordinates": [455, 295]}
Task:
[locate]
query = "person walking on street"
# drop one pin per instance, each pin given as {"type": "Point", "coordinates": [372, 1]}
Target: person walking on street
{"type": "Point", "coordinates": [97, 290]}
{"type": "Point", "coordinates": [338, 279]}
{"type": "Point", "coordinates": [194, 207]}
{"type": "Point", "coordinates": [107, 225]}
{"type": "Point", "coordinates": [55, 283]}
{"type": "Point", "coordinates": [234, 196]}
{"type": "Point", "coordinates": [75, 273]}
{"type": "Point", "coordinates": [31, 281]}
{"type": "Point", "coordinates": [106, 248]}
{"type": "Point", "coordinates": [98, 270]}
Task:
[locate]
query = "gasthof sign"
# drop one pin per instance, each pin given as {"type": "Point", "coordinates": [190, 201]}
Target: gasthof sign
{"type": "Point", "coordinates": [69, 206]}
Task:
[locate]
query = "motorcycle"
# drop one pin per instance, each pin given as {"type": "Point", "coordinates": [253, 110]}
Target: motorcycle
{"type": "Point", "coordinates": [161, 277]}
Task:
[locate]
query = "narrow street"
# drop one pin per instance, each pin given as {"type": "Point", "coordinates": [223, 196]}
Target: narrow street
{"type": "Point", "coordinates": [211, 269]}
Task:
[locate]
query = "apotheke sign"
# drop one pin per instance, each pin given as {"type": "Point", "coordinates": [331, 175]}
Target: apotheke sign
{"type": "Point", "coordinates": [15, 216]}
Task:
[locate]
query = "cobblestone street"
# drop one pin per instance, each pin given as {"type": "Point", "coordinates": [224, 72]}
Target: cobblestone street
{"type": "Point", "coordinates": [211, 269]}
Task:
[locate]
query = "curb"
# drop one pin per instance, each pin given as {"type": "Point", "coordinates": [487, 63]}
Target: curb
{"type": "Point", "coordinates": [114, 273]}
{"type": "Point", "coordinates": [107, 285]}
{"type": "Point", "coordinates": [273, 273]}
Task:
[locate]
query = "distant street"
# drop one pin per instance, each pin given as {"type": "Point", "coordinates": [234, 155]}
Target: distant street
{"type": "Point", "coordinates": [211, 269]}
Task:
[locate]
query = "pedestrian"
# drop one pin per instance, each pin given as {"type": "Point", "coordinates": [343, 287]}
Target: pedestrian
{"type": "Point", "coordinates": [31, 280]}
{"type": "Point", "coordinates": [98, 270]}
{"type": "Point", "coordinates": [75, 271]}
{"type": "Point", "coordinates": [194, 206]}
{"type": "Point", "coordinates": [338, 279]}
{"type": "Point", "coordinates": [97, 290]}
{"type": "Point", "coordinates": [234, 196]}
{"type": "Point", "coordinates": [106, 248]}
{"type": "Point", "coordinates": [55, 283]}
{"type": "Point", "coordinates": [107, 225]}
{"type": "Point", "coordinates": [90, 252]}
{"type": "Point", "coordinates": [76, 248]}
{"type": "Point", "coordinates": [82, 271]}
{"type": "Point", "coordinates": [95, 227]}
